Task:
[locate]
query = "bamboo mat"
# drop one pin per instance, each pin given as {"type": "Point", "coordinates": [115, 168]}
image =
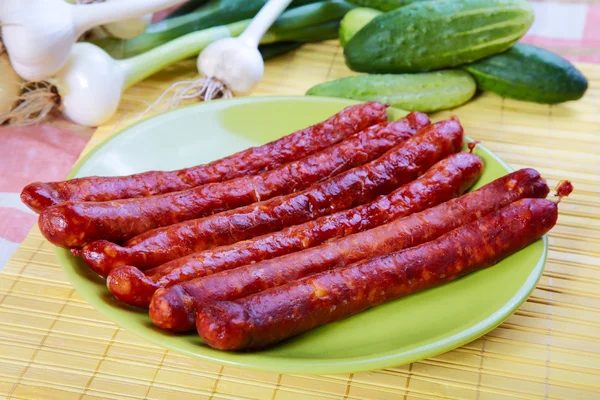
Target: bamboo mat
{"type": "Point", "coordinates": [53, 345]}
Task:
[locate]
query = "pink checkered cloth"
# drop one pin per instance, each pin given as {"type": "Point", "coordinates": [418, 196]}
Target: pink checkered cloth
{"type": "Point", "coordinates": [47, 152]}
{"type": "Point", "coordinates": [571, 29]}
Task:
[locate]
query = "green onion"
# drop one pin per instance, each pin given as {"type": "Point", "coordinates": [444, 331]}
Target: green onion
{"type": "Point", "coordinates": [213, 13]}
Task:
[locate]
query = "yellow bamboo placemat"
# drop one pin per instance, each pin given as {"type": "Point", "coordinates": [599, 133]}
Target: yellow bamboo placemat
{"type": "Point", "coordinates": [53, 345]}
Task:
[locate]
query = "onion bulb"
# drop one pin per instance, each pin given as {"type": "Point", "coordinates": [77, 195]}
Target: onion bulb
{"type": "Point", "coordinates": [90, 85]}
{"type": "Point", "coordinates": [91, 82]}
{"type": "Point", "coordinates": [236, 63]}
{"type": "Point", "coordinates": [39, 34]}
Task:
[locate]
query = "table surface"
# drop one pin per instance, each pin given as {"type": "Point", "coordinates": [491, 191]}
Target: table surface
{"type": "Point", "coordinates": [53, 345]}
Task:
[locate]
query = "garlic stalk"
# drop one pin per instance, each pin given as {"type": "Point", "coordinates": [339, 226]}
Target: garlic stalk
{"type": "Point", "coordinates": [39, 34]}
{"type": "Point", "coordinates": [236, 63]}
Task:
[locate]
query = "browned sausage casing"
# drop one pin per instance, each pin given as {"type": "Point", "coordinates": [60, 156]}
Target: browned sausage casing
{"type": "Point", "coordinates": [360, 185]}
{"type": "Point", "coordinates": [174, 308]}
{"type": "Point", "coordinates": [74, 224]}
{"type": "Point", "coordinates": [276, 314]}
{"type": "Point", "coordinates": [445, 180]}
{"type": "Point", "coordinates": [299, 144]}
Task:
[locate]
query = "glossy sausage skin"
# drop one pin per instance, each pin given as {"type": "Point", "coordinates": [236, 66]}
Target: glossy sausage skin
{"type": "Point", "coordinates": [74, 224]}
{"type": "Point", "coordinates": [276, 314]}
{"type": "Point", "coordinates": [174, 308]}
{"type": "Point", "coordinates": [445, 180]}
{"type": "Point", "coordinates": [360, 185]}
{"type": "Point", "coordinates": [299, 144]}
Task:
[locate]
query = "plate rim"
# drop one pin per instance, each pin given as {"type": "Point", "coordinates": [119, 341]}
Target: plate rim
{"type": "Point", "coordinates": [311, 366]}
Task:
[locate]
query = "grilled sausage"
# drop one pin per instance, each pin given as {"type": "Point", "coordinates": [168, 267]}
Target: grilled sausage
{"type": "Point", "coordinates": [360, 185]}
{"type": "Point", "coordinates": [73, 224]}
{"type": "Point", "coordinates": [445, 180]}
{"type": "Point", "coordinates": [276, 314]}
{"type": "Point", "coordinates": [292, 147]}
{"type": "Point", "coordinates": [174, 308]}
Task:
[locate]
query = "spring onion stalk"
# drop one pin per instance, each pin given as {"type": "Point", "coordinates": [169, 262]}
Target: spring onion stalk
{"type": "Point", "coordinates": [188, 7]}
{"type": "Point", "coordinates": [213, 13]}
{"type": "Point", "coordinates": [91, 83]}
{"type": "Point", "coordinates": [39, 34]}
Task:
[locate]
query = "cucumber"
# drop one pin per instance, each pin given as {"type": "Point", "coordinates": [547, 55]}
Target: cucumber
{"type": "Point", "coordinates": [529, 73]}
{"type": "Point", "coordinates": [354, 20]}
{"type": "Point", "coordinates": [427, 91]}
{"type": "Point", "coordinates": [430, 35]}
{"type": "Point", "coordinates": [383, 5]}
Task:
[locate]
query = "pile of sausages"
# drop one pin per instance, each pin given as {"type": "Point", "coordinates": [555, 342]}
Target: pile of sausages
{"type": "Point", "coordinates": [309, 229]}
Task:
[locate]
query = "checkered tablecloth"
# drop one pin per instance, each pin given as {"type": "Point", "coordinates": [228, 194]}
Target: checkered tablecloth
{"type": "Point", "coordinates": [570, 28]}
{"type": "Point", "coordinates": [47, 152]}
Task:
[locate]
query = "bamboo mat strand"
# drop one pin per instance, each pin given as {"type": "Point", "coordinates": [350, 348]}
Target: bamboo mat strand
{"type": "Point", "coordinates": [54, 345]}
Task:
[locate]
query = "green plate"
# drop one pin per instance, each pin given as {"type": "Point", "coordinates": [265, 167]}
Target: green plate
{"type": "Point", "coordinates": [409, 329]}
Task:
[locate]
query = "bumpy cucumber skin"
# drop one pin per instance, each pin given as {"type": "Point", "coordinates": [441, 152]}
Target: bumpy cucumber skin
{"type": "Point", "coordinates": [383, 5]}
{"type": "Point", "coordinates": [425, 92]}
{"type": "Point", "coordinates": [529, 73]}
{"type": "Point", "coordinates": [353, 22]}
{"type": "Point", "coordinates": [431, 35]}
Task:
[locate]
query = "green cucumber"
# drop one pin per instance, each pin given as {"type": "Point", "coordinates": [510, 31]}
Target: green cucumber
{"type": "Point", "coordinates": [383, 5]}
{"type": "Point", "coordinates": [430, 35]}
{"type": "Point", "coordinates": [353, 22]}
{"type": "Point", "coordinates": [427, 91]}
{"type": "Point", "coordinates": [529, 73]}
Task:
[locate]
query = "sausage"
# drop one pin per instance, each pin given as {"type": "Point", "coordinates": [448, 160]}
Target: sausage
{"type": "Point", "coordinates": [276, 314]}
{"type": "Point", "coordinates": [360, 185]}
{"type": "Point", "coordinates": [40, 195]}
{"type": "Point", "coordinates": [73, 224]}
{"type": "Point", "coordinates": [174, 308]}
{"type": "Point", "coordinates": [445, 180]}
{"type": "Point", "coordinates": [357, 186]}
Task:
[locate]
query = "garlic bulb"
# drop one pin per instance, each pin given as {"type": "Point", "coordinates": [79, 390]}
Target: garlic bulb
{"type": "Point", "coordinates": [233, 61]}
{"type": "Point", "coordinates": [90, 84]}
{"type": "Point", "coordinates": [236, 62]}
